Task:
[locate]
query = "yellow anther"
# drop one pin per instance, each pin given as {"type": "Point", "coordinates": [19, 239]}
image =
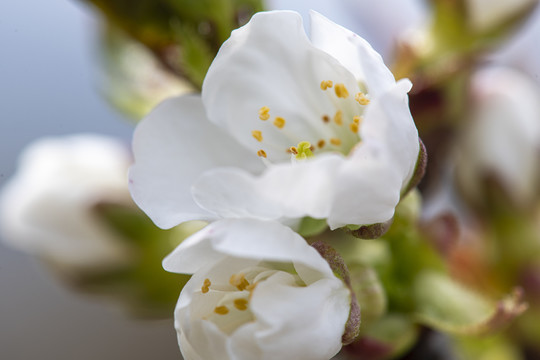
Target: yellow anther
{"type": "Point", "coordinates": [325, 84]}
{"type": "Point", "coordinates": [293, 150]}
{"type": "Point", "coordinates": [279, 122]}
{"type": "Point", "coordinates": [335, 141]}
{"type": "Point", "coordinates": [357, 119]}
{"type": "Point", "coordinates": [221, 310]}
{"type": "Point", "coordinates": [206, 286]}
{"type": "Point", "coordinates": [261, 153]}
{"type": "Point", "coordinates": [264, 113]}
{"type": "Point", "coordinates": [241, 304]}
{"type": "Point", "coordinates": [338, 117]}
{"type": "Point", "coordinates": [354, 127]}
{"type": "Point", "coordinates": [341, 91]}
{"type": "Point", "coordinates": [321, 144]}
{"type": "Point", "coordinates": [361, 98]}
{"type": "Point", "coordinates": [304, 150]}
{"type": "Point", "coordinates": [239, 281]}
{"type": "Point", "coordinates": [257, 134]}
{"type": "Point", "coordinates": [326, 118]}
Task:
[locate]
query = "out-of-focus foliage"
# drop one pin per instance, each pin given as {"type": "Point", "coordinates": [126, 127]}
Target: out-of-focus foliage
{"type": "Point", "coordinates": [133, 79]}
{"type": "Point", "coordinates": [184, 35]}
{"type": "Point", "coordinates": [142, 288]}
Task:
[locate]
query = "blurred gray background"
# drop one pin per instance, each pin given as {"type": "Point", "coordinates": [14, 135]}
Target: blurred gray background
{"type": "Point", "coordinates": [48, 86]}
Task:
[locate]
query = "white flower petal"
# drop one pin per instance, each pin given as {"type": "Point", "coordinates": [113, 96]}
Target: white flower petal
{"type": "Point", "coordinates": [285, 74]}
{"type": "Point", "coordinates": [202, 340]}
{"type": "Point", "coordinates": [243, 238]}
{"type": "Point", "coordinates": [389, 122]}
{"type": "Point", "coordinates": [367, 193]}
{"type": "Point", "coordinates": [172, 146]}
{"type": "Point", "coordinates": [231, 193]}
{"type": "Point", "coordinates": [381, 27]}
{"type": "Point", "coordinates": [372, 20]}
{"type": "Point", "coordinates": [353, 52]}
{"type": "Point", "coordinates": [305, 189]}
{"type": "Point", "coordinates": [244, 343]}
{"type": "Point", "coordinates": [311, 337]}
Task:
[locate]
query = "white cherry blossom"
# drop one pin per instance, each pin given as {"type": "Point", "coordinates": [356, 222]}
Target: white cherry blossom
{"type": "Point", "coordinates": [47, 207]}
{"type": "Point", "coordinates": [503, 138]}
{"type": "Point", "coordinates": [287, 127]}
{"type": "Point", "coordinates": [258, 291]}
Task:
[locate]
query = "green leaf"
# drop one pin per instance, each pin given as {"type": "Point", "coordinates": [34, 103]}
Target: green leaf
{"type": "Point", "coordinates": [448, 306]}
{"type": "Point", "coordinates": [205, 25]}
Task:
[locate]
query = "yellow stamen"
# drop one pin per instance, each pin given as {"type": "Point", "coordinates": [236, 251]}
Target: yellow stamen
{"type": "Point", "coordinates": [354, 127]}
{"type": "Point", "coordinates": [221, 310]}
{"type": "Point", "coordinates": [239, 281]}
{"type": "Point", "coordinates": [361, 98]}
{"type": "Point", "coordinates": [335, 141]}
{"type": "Point", "coordinates": [206, 286]}
{"type": "Point", "coordinates": [338, 117]}
{"type": "Point", "coordinates": [321, 144]}
{"type": "Point", "coordinates": [326, 118]}
{"type": "Point", "coordinates": [261, 153]}
{"type": "Point", "coordinates": [264, 113]}
{"type": "Point", "coordinates": [304, 150]}
{"type": "Point", "coordinates": [257, 134]}
{"type": "Point", "coordinates": [357, 119]}
{"type": "Point", "coordinates": [325, 84]}
{"type": "Point", "coordinates": [293, 150]}
{"type": "Point", "coordinates": [279, 122]}
{"type": "Point", "coordinates": [341, 91]}
{"type": "Point", "coordinates": [241, 304]}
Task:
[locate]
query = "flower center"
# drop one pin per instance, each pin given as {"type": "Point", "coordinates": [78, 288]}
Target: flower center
{"type": "Point", "coordinates": [230, 302]}
{"type": "Point", "coordinates": [340, 131]}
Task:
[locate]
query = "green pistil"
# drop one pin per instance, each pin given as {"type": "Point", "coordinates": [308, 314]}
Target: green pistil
{"type": "Point", "coordinates": [304, 150]}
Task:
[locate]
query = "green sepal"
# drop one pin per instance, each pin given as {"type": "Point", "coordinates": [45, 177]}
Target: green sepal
{"type": "Point", "coordinates": [338, 266]}
{"type": "Point", "coordinates": [311, 227]}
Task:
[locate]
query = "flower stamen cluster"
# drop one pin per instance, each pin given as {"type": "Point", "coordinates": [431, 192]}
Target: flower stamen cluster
{"type": "Point", "coordinates": [346, 113]}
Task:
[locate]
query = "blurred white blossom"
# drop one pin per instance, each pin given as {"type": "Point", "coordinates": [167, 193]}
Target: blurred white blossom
{"type": "Point", "coordinates": [522, 51]}
{"type": "Point", "coordinates": [258, 291]}
{"type": "Point", "coordinates": [297, 127]}
{"type": "Point", "coordinates": [47, 208]}
{"type": "Point", "coordinates": [503, 137]}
